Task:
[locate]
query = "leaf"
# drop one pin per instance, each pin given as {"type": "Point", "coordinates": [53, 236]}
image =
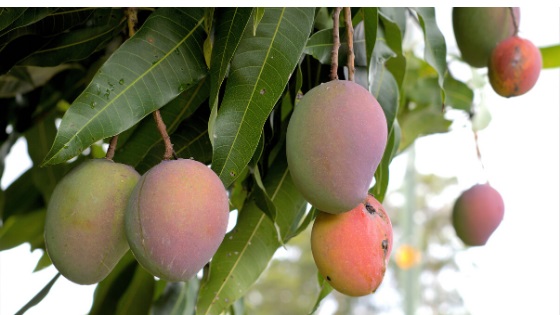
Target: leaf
{"type": "Point", "coordinates": [28, 16]}
{"type": "Point", "coordinates": [231, 26]}
{"type": "Point", "coordinates": [137, 298]}
{"type": "Point", "coordinates": [320, 47]}
{"type": "Point", "coordinates": [21, 80]}
{"type": "Point", "coordinates": [370, 31]}
{"type": "Point", "coordinates": [257, 17]}
{"type": "Point", "coordinates": [22, 196]}
{"type": "Point", "coordinates": [259, 72]}
{"type": "Point", "coordinates": [39, 296]}
{"type": "Point", "coordinates": [44, 262]}
{"type": "Point", "coordinates": [154, 66]}
{"type": "Point", "coordinates": [108, 292]}
{"type": "Point", "coordinates": [459, 95]}
{"type": "Point", "coordinates": [179, 298]}
{"type": "Point", "coordinates": [382, 173]}
{"type": "Point", "coordinates": [422, 120]}
{"type": "Point", "coordinates": [23, 228]}
{"type": "Point", "coordinates": [247, 249]}
{"type": "Point", "coordinates": [394, 21]}
{"type": "Point", "coordinates": [382, 83]}
{"type": "Point", "coordinates": [550, 56]}
{"type": "Point", "coordinates": [78, 44]}
{"type": "Point", "coordinates": [326, 289]}
{"type": "Point", "coordinates": [435, 51]}
{"type": "Point", "coordinates": [146, 141]}
{"type": "Point", "coordinates": [9, 15]}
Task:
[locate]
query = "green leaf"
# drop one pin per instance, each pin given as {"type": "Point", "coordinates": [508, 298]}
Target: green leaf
{"type": "Point", "coordinates": [22, 196]}
{"type": "Point", "coordinates": [179, 298]}
{"type": "Point", "coordinates": [137, 298]}
{"type": "Point", "coordinates": [9, 15]}
{"type": "Point", "coordinates": [39, 296]}
{"type": "Point", "coordinates": [382, 83]}
{"type": "Point", "coordinates": [23, 228]}
{"type": "Point", "coordinates": [326, 289]}
{"type": "Point", "coordinates": [382, 173]}
{"type": "Point", "coordinates": [44, 262]}
{"type": "Point", "coordinates": [320, 47]}
{"type": "Point", "coordinates": [109, 291]}
{"type": "Point", "coordinates": [370, 31]}
{"type": "Point", "coordinates": [550, 56]}
{"type": "Point", "coordinates": [435, 50]}
{"type": "Point", "coordinates": [259, 72]}
{"type": "Point", "coordinates": [28, 16]}
{"type": "Point", "coordinates": [167, 49]}
{"type": "Point", "coordinates": [230, 28]}
{"type": "Point", "coordinates": [78, 44]}
{"type": "Point", "coordinates": [21, 80]}
{"type": "Point", "coordinates": [459, 95]}
{"type": "Point", "coordinates": [394, 21]}
{"type": "Point", "coordinates": [247, 249]}
{"type": "Point", "coordinates": [420, 121]}
{"type": "Point", "coordinates": [257, 17]}
{"type": "Point", "coordinates": [145, 142]}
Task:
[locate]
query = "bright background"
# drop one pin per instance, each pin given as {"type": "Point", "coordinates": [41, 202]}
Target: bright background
{"type": "Point", "coordinates": [517, 272]}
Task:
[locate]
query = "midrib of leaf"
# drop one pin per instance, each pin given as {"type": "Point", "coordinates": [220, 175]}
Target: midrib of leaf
{"type": "Point", "coordinates": [79, 131]}
{"type": "Point", "coordinates": [254, 90]}
{"type": "Point", "coordinates": [80, 42]}
{"type": "Point", "coordinates": [249, 240]}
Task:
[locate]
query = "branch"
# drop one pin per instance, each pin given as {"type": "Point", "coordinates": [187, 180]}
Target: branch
{"type": "Point", "coordinates": [164, 135]}
{"type": "Point", "coordinates": [350, 36]}
{"type": "Point", "coordinates": [336, 44]}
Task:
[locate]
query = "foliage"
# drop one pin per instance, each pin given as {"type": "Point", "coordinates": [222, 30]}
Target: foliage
{"type": "Point", "coordinates": [226, 81]}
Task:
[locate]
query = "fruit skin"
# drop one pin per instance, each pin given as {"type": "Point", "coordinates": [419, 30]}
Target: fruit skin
{"type": "Point", "coordinates": [514, 66]}
{"type": "Point", "coordinates": [352, 249]}
{"type": "Point", "coordinates": [335, 140]}
{"type": "Point", "coordinates": [477, 213]}
{"type": "Point", "coordinates": [177, 218]}
{"type": "Point", "coordinates": [84, 226]}
{"type": "Point", "coordinates": [479, 30]}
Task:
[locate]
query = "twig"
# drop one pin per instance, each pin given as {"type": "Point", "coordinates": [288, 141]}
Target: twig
{"type": "Point", "coordinates": [112, 147]}
{"type": "Point", "coordinates": [164, 135]}
{"type": "Point", "coordinates": [350, 36]}
{"type": "Point", "coordinates": [336, 44]}
{"type": "Point", "coordinates": [516, 27]}
{"type": "Point", "coordinates": [132, 15]}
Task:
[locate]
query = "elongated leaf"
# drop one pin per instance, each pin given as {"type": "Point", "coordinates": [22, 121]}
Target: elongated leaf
{"type": "Point", "coordinates": [248, 248]}
{"type": "Point", "coordinates": [382, 173]}
{"type": "Point", "coordinates": [28, 16]}
{"type": "Point", "coordinates": [259, 72]}
{"type": "Point", "coordinates": [550, 56]}
{"type": "Point", "coordinates": [179, 298]}
{"type": "Point", "coordinates": [382, 83]}
{"type": "Point", "coordinates": [230, 28]}
{"type": "Point", "coordinates": [43, 262]}
{"type": "Point", "coordinates": [146, 141]}
{"type": "Point", "coordinates": [21, 80]}
{"type": "Point", "coordinates": [39, 296]}
{"type": "Point", "coordinates": [22, 196]}
{"type": "Point", "coordinates": [137, 298]}
{"type": "Point", "coordinates": [23, 228]}
{"type": "Point", "coordinates": [370, 16]}
{"type": "Point", "coordinates": [9, 15]}
{"type": "Point", "coordinates": [435, 50]}
{"type": "Point", "coordinates": [393, 35]}
{"type": "Point", "coordinates": [326, 289]}
{"type": "Point", "coordinates": [459, 95]}
{"type": "Point", "coordinates": [77, 44]}
{"type": "Point", "coordinates": [158, 63]}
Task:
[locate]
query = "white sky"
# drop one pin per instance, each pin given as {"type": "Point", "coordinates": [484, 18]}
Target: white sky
{"type": "Point", "coordinates": [518, 269]}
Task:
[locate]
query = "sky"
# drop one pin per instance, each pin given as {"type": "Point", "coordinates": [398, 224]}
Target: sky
{"type": "Point", "coordinates": [518, 269]}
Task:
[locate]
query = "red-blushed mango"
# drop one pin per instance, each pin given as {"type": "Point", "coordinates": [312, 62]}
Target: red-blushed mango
{"type": "Point", "coordinates": [479, 30]}
{"type": "Point", "coordinates": [84, 226]}
{"type": "Point", "coordinates": [352, 249]}
{"type": "Point", "coordinates": [177, 218]}
{"type": "Point", "coordinates": [514, 66]}
{"type": "Point", "coordinates": [477, 213]}
{"type": "Point", "coordinates": [335, 140]}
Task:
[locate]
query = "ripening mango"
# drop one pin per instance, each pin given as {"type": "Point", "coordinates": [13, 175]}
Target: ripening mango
{"type": "Point", "coordinates": [177, 218]}
{"type": "Point", "coordinates": [335, 140]}
{"type": "Point", "coordinates": [84, 226]}
{"type": "Point", "coordinates": [477, 213]}
{"type": "Point", "coordinates": [352, 249]}
{"type": "Point", "coordinates": [514, 66]}
{"type": "Point", "coordinates": [479, 30]}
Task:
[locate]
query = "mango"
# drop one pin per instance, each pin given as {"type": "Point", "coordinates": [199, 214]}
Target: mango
{"type": "Point", "coordinates": [176, 218]}
{"type": "Point", "coordinates": [478, 30]}
{"type": "Point", "coordinates": [477, 213]}
{"type": "Point", "coordinates": [352, 249]}
{"type": "Point", "coordinates": [514, 67]}
{"type": "Point", "coordinates": [335, 140]}
{"type": "Point", "coordinates": [84, 225]}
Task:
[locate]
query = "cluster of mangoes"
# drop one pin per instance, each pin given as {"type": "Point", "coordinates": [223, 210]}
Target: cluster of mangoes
{"type": "Point", "coordinates": [488, 37]}
{"type": "Point", "coordinates": [173, 218]}
{"type": "Point", "coordinates": [335, 141]}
